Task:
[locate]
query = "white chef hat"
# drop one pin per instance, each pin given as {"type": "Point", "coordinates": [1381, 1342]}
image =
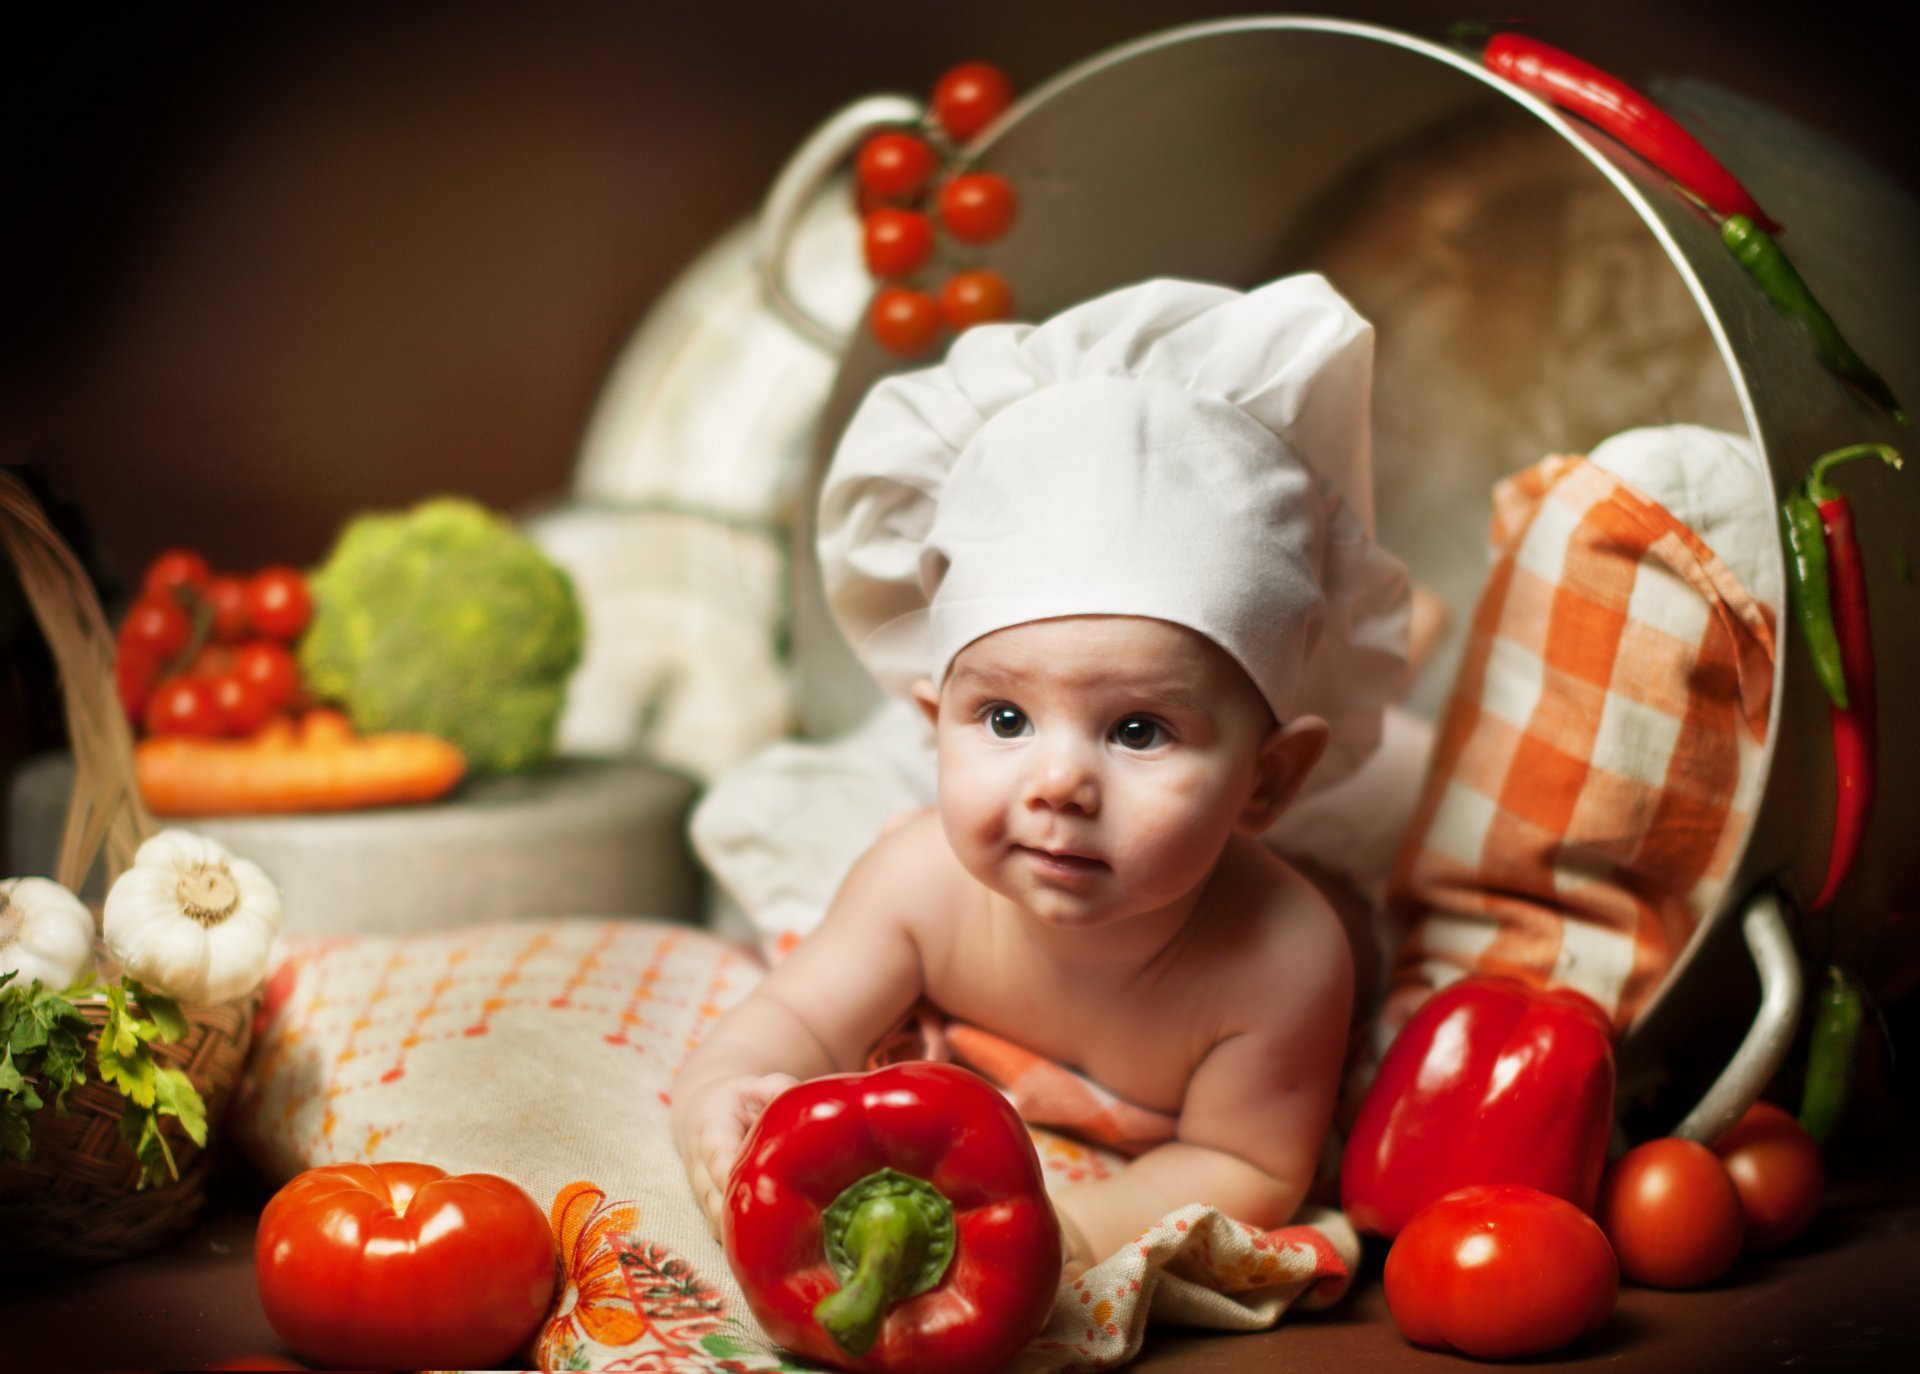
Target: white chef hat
{"type": "Point", "coordinates": [1173, 450]}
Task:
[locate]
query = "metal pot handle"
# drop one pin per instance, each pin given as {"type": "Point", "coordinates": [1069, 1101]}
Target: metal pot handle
{"type": "Point", "coordinates": [1758, 1058]}
{"type": "Point", "coordinates": [795, 188]}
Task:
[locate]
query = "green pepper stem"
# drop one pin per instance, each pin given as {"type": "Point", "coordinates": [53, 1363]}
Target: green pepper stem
{"type": "Point", "coordinates": [887, 1240]}
{"type": "Point", "coordinates": [1817, 485]}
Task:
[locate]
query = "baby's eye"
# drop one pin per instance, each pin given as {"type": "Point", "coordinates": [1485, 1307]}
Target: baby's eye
{"type": "Point", "coordinates": [1006, 722]}
{"type": "Point", "coordinates": [1138, 732]}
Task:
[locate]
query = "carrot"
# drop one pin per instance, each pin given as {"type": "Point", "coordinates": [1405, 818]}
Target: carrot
{"type": "Point", "coordinates": [315, 764]}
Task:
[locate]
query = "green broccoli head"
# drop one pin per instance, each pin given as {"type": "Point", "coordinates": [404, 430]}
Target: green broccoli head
{"type": "Point", "coordinates": [448, 620]}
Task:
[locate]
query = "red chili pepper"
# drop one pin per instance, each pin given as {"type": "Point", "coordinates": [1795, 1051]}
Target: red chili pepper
{"type": "Point", "coordinates": [1490, 1081]}
{"type": "Point", "coordinates": [894, 1221]}
{"type": "Point", "coordinates": [1618, 109]}
{"type": "Point", "coordinates": [1855, 726]}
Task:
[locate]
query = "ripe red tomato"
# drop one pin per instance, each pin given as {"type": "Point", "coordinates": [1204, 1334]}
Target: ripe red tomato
{"type": "Point", "coordinates": [135, 672]}
{"type": "Point", "coordinates": [978, 207]}
{"type": "Point", "coordinates": [1500, 1270]}
{"type": "Point", "coordinates": [1672, 1214]}
{"type": "Point", "coordinates": [211, 661]}
{"type": "Point", "coordinates": [244, 706]}
{"type": "Point", "coordinates": [270, 668]}
{"type": "Point", "coordinates": [402, 1266]}
{"type": "Point", "coordinates": [158, 625]}
{"type": "Point", "coordinates": [905, 322]}
{"type": "Point", "coordinates": [970, 298]}
{"type": "Point", "coordinates": [893, 166]}
{"type": "Point", "coordinates": [1777, 1170]}
{"type": "Point", "coordinates": [227, 598]}
{"type": "Point", "coordinates": [969, 97]}
{"type": "Point", "coordinates": [278, 603]}
{"type": "Point", "coordinates": [897, 243]}
{"type": "Point", "coordinates": [183, 706]}
{"type": "Point", "coordinates": [175, 571]}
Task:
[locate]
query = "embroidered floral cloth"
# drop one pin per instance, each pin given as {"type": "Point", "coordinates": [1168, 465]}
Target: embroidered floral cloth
{"type": "Point", "coordinates": [547, 1051]}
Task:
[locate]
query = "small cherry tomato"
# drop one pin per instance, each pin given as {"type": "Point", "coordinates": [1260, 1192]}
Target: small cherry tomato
{"type": "Point", "coordinates": [1777, 1170]}
{"type": "Point", "coordinates": [969, 97]}
{"type": "Point", "coordinates": [905, 322]}
{"type": "Point", "coordinates": [269, 667]}
{"type": "Point", "coordinates": [977, 207]}
{"type": "Point", "coordinates": [211, 661]}
{"type": "Point", "coordinates": [893, 166]}
{"type": "Point", "coordinates": [1672, 1214]}
{"type": "Point", "coordinates": [897, 243]}
{"type": "Point", "coordinates": [176, 572]}
{"type": "Point", "coordinates": [402, 1266]}
{"type": "Point", "coordinates": [970, 298]}
{"type": "Point", "coordinates": [158, 625]}
{"type": "Point", "coordinates": [183, 706]}
{"type": "Point", "coordinates": [1500, 1270]}
{"type": "Point", "coordinates": [244, 706]}
{"type": "Point", "coordinates": [227, 598]}
{"type": "Point", "coordinates": [278, 603]}
{"type": "Point", "coordinates": [135, 673]}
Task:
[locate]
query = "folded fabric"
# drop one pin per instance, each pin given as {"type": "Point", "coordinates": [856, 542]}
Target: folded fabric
{"type": "Point", "coordinates": [1045, 1093]}
{"type": "Point", "coordinates": [546, 1051]}
{"type": "Point", "coordinates": [1600, 759]}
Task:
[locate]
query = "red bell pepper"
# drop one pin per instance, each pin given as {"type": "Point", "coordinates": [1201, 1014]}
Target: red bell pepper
{"type": "Point", "coordinates": [1490, 1081]}
{"type": "Point", "coordinates": [894, 1221]}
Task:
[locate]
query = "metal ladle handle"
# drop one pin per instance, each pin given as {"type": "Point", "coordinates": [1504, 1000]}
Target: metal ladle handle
{"type": "Point", "coordinates": [1768, 1039]}
{"type": "Point", "coordinates": [795, 188]}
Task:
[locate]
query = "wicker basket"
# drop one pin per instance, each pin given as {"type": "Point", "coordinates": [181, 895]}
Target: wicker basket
{"type": "Point", "coordinates": [78, 1201]}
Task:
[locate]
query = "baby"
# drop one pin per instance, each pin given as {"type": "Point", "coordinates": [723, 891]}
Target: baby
{"type": "Point", "coordinates": [1123, 563]}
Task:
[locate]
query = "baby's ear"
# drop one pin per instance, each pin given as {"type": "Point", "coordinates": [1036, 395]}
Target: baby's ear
{"type": "Point", "coordinates": [927, 696]}
{"type": "Point", "coordinates": [1287, 755]}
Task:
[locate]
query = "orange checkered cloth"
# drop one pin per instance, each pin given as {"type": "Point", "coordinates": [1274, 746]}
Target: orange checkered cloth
{"type": "Point", "coordinates": [1047, 1094]}
{"type": "Point", "coordinates": [1600, 758]}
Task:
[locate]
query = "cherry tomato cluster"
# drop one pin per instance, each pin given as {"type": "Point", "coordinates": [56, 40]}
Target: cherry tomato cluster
{"type": "Point", "coordinates": [907, 203]}
{"type": "Point", "coordinates": [206, 653]}
{"type": "Point", "coordinates": [1502, 1270]}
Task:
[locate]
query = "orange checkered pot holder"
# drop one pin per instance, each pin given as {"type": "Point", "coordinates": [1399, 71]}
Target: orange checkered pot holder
{"type": "Point", "coordinates": [1600, 758]}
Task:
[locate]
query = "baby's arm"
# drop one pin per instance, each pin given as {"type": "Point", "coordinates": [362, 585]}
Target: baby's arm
{"type": "Point", "coordinates": [1256, 1111]}
{"type": "Point", "coordinates": [819, 1011]}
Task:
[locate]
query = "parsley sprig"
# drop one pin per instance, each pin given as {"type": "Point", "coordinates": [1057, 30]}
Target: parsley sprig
{"type": "Point", "coordinates": [43, 1036]}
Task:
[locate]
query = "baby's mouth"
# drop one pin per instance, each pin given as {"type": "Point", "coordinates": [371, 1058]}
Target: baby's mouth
{"type": "Point", "coordinates": [1061, 862]}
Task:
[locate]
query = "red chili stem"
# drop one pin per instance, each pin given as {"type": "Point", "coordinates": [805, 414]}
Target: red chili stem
{"type": "Point", "coordinates": [1606, 101]}
{"type": "Point", "coordinates": [1855, 730]}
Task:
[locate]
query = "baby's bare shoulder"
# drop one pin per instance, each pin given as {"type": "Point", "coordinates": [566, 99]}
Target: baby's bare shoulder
{"type": "Point", "coordinates": [1276, 933]}
{"type": "Point", "coordinates": [907, 876]}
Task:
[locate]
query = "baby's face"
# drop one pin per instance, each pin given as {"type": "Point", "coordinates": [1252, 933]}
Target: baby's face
{"type": "Point", "coordinates": [1092, 768]}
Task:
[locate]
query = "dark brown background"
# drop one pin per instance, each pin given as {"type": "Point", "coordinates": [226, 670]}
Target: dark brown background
{"type": "Point", "coordinates": [267, 266]}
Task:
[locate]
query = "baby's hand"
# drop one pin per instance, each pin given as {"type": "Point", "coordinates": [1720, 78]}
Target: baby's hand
{"type": "Point", "coordinates": [718, 1119]}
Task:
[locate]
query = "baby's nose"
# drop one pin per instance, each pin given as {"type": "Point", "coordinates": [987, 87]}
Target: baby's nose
{"type": "Point", "coordinates": [1064, 779]}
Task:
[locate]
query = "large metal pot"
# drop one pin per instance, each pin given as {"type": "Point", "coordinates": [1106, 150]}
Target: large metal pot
{"type": "Point", "coordinates": [1220, 151]}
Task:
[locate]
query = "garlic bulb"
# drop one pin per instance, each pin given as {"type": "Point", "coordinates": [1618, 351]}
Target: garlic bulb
{"type": "Point", "coordinates": [192, 921]}
{"type": "Point", "coordinates": [46, 933]}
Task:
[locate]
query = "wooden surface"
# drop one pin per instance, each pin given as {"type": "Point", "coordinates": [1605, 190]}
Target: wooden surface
{"type": "Point", "coordinates": [1844, 1297]}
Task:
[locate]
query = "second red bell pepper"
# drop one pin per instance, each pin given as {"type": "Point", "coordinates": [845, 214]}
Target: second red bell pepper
{"type": "Point", "coordinates": [1490, 1081]}
{"type": "Point", "coordinates": [894, 1221]}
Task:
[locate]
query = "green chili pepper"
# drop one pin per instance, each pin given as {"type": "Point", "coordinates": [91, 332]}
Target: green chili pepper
{"type": "Point", "coordinates": [1808, 590]}
{"type": "Point", "coordinates": [1756, 251]}
{"type": "Point", "coordinates": [1830, 1051]}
